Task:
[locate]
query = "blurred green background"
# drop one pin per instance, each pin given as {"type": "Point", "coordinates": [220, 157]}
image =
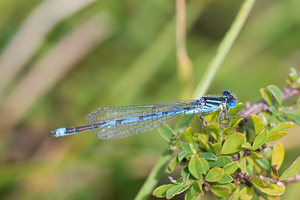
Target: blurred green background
{"type": "Point", "coordinates": [59, 60]}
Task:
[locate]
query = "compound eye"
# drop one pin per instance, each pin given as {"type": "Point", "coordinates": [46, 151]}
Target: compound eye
{"type": "Point", "coordinates": [226, 93]}
{"type": "Point", "coordinates": [232, 104]}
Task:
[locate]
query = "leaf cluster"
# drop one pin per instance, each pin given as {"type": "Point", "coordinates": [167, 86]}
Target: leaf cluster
{"type": "Point", "coordinates": [236, 162]}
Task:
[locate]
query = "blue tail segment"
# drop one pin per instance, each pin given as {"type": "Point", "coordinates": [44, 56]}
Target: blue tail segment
{"type": "Point", "coordinates": [119, 122]}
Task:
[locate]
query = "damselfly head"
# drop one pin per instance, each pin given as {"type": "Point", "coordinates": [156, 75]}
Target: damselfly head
{"type": "Point", "coordinates": [230, 99]}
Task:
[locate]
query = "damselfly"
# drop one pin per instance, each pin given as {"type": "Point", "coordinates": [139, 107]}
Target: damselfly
{"type": "Point", "coordinates": [119, 122]}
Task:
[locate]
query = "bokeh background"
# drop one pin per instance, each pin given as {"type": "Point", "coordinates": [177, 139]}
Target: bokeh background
{"type": "Point", "coordinates": [59, 60]}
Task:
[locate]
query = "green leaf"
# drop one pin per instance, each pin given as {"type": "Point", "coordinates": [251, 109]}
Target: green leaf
{"type": "Point", "coordinates": [214, 175]}
{"type": "Point", "coordinates": [217, 147]}
{"type": "Point", "coordinates": [239, 106]}
{"type": "Point", "coordinates": [203, 144]}
{"type": "Point", "coordinates": [231, 167]}
{"type": "Point", "coordinates": [175, 190]}
{"type": "Point", "coordinates": [255, 155]}
{"type": "Point", "coordinates": [276, 93]}
{"type": "Point", "coordinates": [186, 147]}
{"type": "Point", "coordinates": [295, 117]}
{"type": "Point", "coordinates": [161, 191]}
{"type": "Point", "coordinates": [264, 118]}
{"type": "Point", "coordinates": [277, 155]}
{"type": "Point", "coordinates": [247, 145]}
{"type": "Point", "coordinates": [266, 95]}
{"type": "Point", "coordinates": [187, 135]}
{"type": "Point", "coordinates": [259, 182]}
{"type": "Point", "coordinates": [272, 189]}
{"type": "Point", "coordinates": [208, 156]}
{"type": "Point", "coordinates": [196, 167]}
{"type": "Point", "coordinates": [185, 173]}
{"type": "Point", "coordinates": [291, 171]}
{"type": "Point", "coordinates": [260, 139]}
{"type": "Point", "coordinates": [293, 76]}
{"type": "Point", "coordinates": [172, 165]}
{"type": "Point", "coordinates": [264, 163]}
{"type": "Point", "coordinates": [246, 193]}
{"type": "Point", "coordinates": [233, 143]}
{"type": "Point", "coordinates": [234, 122]}
{"type": "Point", "coordinates": [205, 166]}
{"type": "Point", "coordinates": [194, 192]}
{"type": "Point", "coordinates": [166, 132]}
{"type": "Point", "coordinates": [226, 178]}
{"type": "Point", "coordinates": [220, 162]}
{"type": "Point", "coordinates": [235, 194]}
{"type": "Point", "coordinates": [220, 191]}
{"type": "Point", "coordinates": [276, 136]}
{"type": "Point", "coordinates": [257, 124]}
{"type": "Point", "coordinates": [242, 165]}
{"type": "Point", "coordinates": [281, 127]}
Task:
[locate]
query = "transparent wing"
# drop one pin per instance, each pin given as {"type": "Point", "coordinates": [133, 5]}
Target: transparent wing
{"type": "Point", "coordinates": [125, 130]}
{"type": "Point", "coordinates": [116, 113]}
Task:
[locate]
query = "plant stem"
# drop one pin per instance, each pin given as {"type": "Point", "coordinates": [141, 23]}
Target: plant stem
{"type": "Point", "coordinates": [154, 176]}
{"type": "Point", "coordinates": [224, 48]}
{"type": "Point", "coordinates": [202, 87]}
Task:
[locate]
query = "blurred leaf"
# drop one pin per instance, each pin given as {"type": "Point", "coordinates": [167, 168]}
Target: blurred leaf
{"type": "Point", "coordinates": [295, 118]}
{"type": "Point", "coordinates": [186, 147]}
{"type": "Point", "coordinates": [173, 163]}
{"type": "Point", "coordinates": [196, 167]}
{"type": "Point", "coordinates": [246, 193]}
{"type": "Point", "coordinates": [259, 182]}
{"type": "Point", "coordinates": [233, 143]}
{"type": "Point", "coordinates": [175, 190]}
{"type": "Point", "coordinates": [216, 147]}
{"type": "Point", "coordinates": [242, 165]}
{"type": "Point", "coordinates": [260, 139]}
{"type": "Point", "coordinates": [272, 189]}
{"type": "Point", "coordinates": [255, 155]}
{"type": "Point", "coordinates": [214, 175]}
{"type": "Point", "coordinates": [166, 132]}
{"type": "Point", "coordinates": [208, 156]}
{"type": "Point", "coordinates": [264, 118]}
{"type": "Point", "coordinates": [161, 191]}
{"type": "Point", "coordinates": [220, 162]}
{"type": "Point", "coordinates": [220, 191]}
{"type": "Point", "coordinates": [247, 145]}
{"type": "Point", "coordinates": [231, 167]}
{"type": "Point", "coordinates": [235, 194]}
{"type": "Point", "coordinates": [266, 95]}
{"type": "Point", "coordinates": [187, 135]}
{"type": "Point", "coordinates": [226, 178]}
{"type": "Point", "coordinates": [277, 155]}
{"type": "Point", "coordinates": [276, 136]}
{"type": "Point", "coordinates": [234, 122]}
{"type": "Point", "coordinates": [276, 93]}
{"type": "Point", "coordinates": [194, 192]}
{"type": "Point", "coordinates": [203, 144]}
{"type": "Point", "coordinates": [257, 124]}
{"type": "Point", "coordinates": [264, 163]}
{"type": "Point", "coordinates": [281, 127]}
{"type": "Point", "coordinates": [205, 166]}
{"type": "Point", "coordinates": [293, 76]}
{"type": "Point", "coordinates": [183, 154]}
{"type": "Point", "coordinates": [291, 171]}
{"type": "Point", "coordinates": [239, 107]}
{"type": "Point", "coordinates": [185, 173]}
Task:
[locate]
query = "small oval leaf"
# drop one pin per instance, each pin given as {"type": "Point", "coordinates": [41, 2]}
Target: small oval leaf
{"type": "Point", "coordinates": [166, 132]}
{"type": "Point", "coordinates": [231, 167]}
{"type": "Point", "coordinates": [257, 124]}
{"type": "Point", "coordinates": [276, 93]}
{"type": "Point", "coordinates": [195, 167]}
{"type": "Point", "coordinates": [260, 139]}
{"type": "Point", "coordinates": [208, 156]}
{"type": "Point", "coordinates": [266, 95]}
{"type": "Point", "coordinates": [226, 178]}
{"type": "Point", "coordinates": [277, 155]}
{"type": "Point", "coordinates": [215, 174]}
{"type": "Point", "coordinates": [272, 189]}
{"type": "Point", "coordinates": [246, 193]}
{"type": "Point", "coordinates": [276, 136]}
{"type": "Point", "coordinates": [220, 191]}
{"type": "Point", "coordinates": [205, 166]}
{"type": "Point", "coordinates": [233, 143]}
{"type": "Point", "coordinates": [175, 190]}
{"type": "Point", "coordinates": [291, 171]}
{"type": "Point", "coordinates": [173, 163]}
{"type": "Point", "coordinates": [281, 127]}
{"type": "Point", "coordinates": [220, 162]}
{"type": "Point", "coordinates": [235, 194]}
{"type": "Point", "coordinates": [162, 190]}
{"type": "Point", "coordinates": [187, 135]}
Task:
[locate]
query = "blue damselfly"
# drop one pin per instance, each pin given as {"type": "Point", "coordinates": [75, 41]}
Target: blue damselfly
{"type": "Point", "coordinates": [119, 122]}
